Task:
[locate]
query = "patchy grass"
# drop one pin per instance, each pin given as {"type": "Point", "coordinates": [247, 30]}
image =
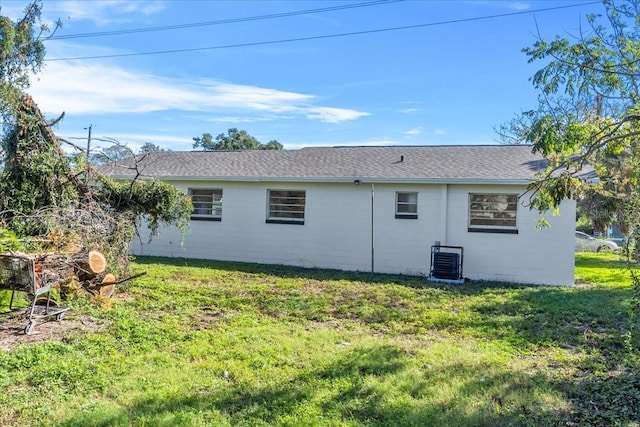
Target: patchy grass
{"type": "Point", "coordinates": [200, 343]}
{"type": "Point", "coordinates": [602, 269]}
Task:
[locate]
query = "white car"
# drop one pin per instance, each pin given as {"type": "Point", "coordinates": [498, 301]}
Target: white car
{"type": "Point", "coordinates": [586, 243]}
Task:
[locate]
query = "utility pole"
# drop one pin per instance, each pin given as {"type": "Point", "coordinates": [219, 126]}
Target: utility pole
{"type": "Point", "coordinates": [86, 175]}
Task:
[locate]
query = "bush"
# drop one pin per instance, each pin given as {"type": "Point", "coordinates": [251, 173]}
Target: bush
{"type": "Point", "coordinates": [9, 241]}
{"type": "Point", "coordinates": [585, 225]}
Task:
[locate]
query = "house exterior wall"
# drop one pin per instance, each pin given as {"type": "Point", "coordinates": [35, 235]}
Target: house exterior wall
{"type": "Point", "coordinates": [541, 256]}
{"type": "Point", "coordinates": [337, 232]}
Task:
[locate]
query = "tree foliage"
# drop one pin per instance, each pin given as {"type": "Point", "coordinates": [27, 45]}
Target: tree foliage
{"type": "Point", "coordinates": [149, 147]}
{"type": "Point", "coordinates": [36, 173]}
{"type": "Point", "coordinates": [42, 194]}
{"type": "Point", "coordinates": [21, 52]}
{"type": "Point", "coordinates": [588, 112]}
{"type": "Point", "coordinates": [111, 154]}
{"type": "Point", "coordinates": [234, 140]}
{"type": "Point", "coordinates": [588, 116]}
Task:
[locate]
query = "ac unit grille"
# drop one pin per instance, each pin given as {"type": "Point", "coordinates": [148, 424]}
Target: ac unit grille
{"type": "Point", "coordinates": [446, 265]}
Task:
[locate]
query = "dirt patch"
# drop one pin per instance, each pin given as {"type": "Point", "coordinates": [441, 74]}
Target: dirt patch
{"type": "Point", "coordinates": [583, 285]}
{"type": "Point", "coordinates": [208, 316]}
{"type": "Point", "coordinates": [12, 327]}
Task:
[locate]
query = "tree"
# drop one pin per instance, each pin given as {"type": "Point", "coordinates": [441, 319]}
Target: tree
{"type": "Point", "coordinates": [588, 114]}
{"type": "Point", "coordinates": [21, 53]}
{"type": "Point", "coordinates": [42, 195]}
{"type": "Point", "coordinates": [234, 140]}
{"type": "Point", "coordinates": [148, 147]}
{"type": "Point", "coordinates": [272, 145]}
{"type": "Point", "coordinates": [112, 154]}
{"type": "Point", "coordinates": [205, 142]}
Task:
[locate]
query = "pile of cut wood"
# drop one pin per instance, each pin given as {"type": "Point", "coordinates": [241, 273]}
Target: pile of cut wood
{"type": "Point", "coordinates": [75, 273]}
{"type": "Point", "coordinates": [80, 271]}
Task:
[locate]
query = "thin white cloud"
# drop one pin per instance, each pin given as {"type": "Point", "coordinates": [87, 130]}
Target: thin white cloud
{"type": "Point", "coordinates": [13, 10]}
{"type": "Point", "coordinates": [408, 110]}
{"type": "Point", "coordinates": [414, 131]}
{"type": "Point", "coordinates": [332, 115]}
{"type": "Point", "coordinates": [513, 5]}
{"type": "Point", "coordinates": [101, 13]}
{"type": "Point", "coordinates": [88, 88]}
{"type": "Point", "coordinates": [253, 97]}
{"type": "Point", "coordinates": [439, 132]}
{"type": "Point", "coordinates": [231, 119]}
{"type": "Point", "coordinates": [371, 143]}
{"type": "Point", "coordinates": [519, 6]}
{"type": "Point", "coordinates": [132, 140]}
{"type": "Point", "coordinates": [162, 140]}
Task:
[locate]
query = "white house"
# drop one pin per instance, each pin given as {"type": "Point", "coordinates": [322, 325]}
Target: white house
{"type": "Point", "coordinates": [367, 208]}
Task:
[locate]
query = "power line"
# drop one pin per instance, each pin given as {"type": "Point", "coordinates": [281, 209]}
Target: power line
{"type": "Point", "coordinates": [326, 36]}
{"type": "Point", "coordinates": [224, 21]}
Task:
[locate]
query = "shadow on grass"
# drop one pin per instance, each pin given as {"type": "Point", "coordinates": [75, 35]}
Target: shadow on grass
{"type": "Point", "coordinates": [369, 387]}
{"type": "Point", "coordinates": [352, 391]}
{"type": "Point", "coordinates": [559, 316]}
{"type": "Point", "coordinates": [589, 322]}
{"type": "Point", "coordinates": [525, 316]}
{"type": "Point", "coordinates": [238, 403]}
{"type": "Point", "coordinates": [602, 400]}
{"type": "Point", "coordinates": [285, 271]}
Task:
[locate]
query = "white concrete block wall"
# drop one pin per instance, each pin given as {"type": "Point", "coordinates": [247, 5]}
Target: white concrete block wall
{"type": "Point", "coordinates": [541, 256]}
{"type": "Point", "coordinates": [337, 233]}
{"type": "Point", "coordinates": [404, 245]}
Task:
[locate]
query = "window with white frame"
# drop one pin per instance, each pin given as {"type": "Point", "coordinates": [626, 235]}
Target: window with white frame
{"type": "Point", "coordinates": [406, 205]}
{"type": "Point", "coordinates": [286, 206]}
{"type": "Point", "coordinates": [207, 204]}
{"type": "Point", "coordinates": [493, 213]}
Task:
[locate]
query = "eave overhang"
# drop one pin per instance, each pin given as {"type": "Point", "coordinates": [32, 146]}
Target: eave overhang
{"type": "Point", "coordinates": [338, 180]}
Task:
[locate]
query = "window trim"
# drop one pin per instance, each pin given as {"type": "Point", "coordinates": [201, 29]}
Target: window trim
{"type": "Point", "coordinates": [286, 219]}
{"type": "Point", "coordinates": [406, 215]}
{"type": "Point", "coordinates": [215, 205]}
{"type": "Point", "coordinates": [498, 229]}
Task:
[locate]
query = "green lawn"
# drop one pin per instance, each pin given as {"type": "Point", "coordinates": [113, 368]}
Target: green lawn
{"type": "Point", "coordinates": [197, 343]}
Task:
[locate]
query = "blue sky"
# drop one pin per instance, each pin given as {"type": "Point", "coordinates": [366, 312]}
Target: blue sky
{"type": "Point", "coordinates": [450, 83]}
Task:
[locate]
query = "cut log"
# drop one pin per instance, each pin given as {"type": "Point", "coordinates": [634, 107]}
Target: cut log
{"type": "Point", "coordinates": [108, 286]}
{"type": "Point", "coordinates": [96, 262]}
{"type": "Point", "coordinates": [88, 265]}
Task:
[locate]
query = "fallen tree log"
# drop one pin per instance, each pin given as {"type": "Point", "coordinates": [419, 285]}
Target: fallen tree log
{"type": "Point", "coordinates": [73, 274]}
{"type": "Point", "coordinates": [52, 267]}
{"type": "Point", "coordinates": [88, 265]}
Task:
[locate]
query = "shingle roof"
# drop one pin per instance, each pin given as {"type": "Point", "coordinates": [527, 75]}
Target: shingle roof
{"type": "Point", "coordinates": [459, 163]}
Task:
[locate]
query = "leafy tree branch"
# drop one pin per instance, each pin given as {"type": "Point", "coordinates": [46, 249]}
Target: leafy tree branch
{"type": "Point", "coordinates": [588, 115]}
{"type": "Point", "coordinates": [234, 140]}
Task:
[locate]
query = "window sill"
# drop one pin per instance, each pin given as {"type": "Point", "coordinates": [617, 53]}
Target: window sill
{"type": "Point", "coordinates": [493, 230]}
{"type": "Point", "coordinates": [406, 216]}
{"type": "Point", "coordinates": [284, 221]}
{"type": "Point", "coordinates": [206, 218]}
